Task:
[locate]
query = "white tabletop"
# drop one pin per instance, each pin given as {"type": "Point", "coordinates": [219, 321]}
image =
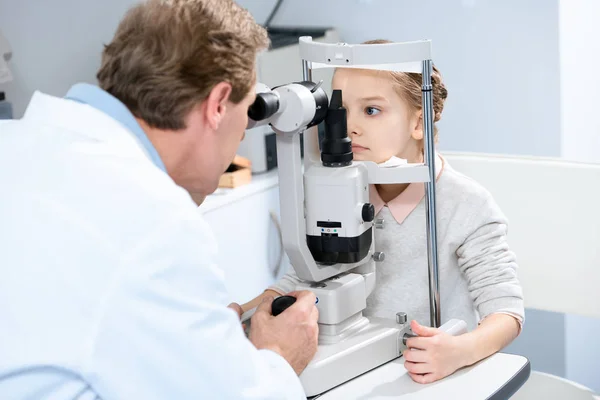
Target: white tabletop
{"type": "Point", "coordinates": [224, 196]}
{"type": "Point", "coordinates": [481, 381]}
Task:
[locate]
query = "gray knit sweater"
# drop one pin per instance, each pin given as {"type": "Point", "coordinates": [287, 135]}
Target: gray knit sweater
{"type": "Point", "coordinates": [477, 270]}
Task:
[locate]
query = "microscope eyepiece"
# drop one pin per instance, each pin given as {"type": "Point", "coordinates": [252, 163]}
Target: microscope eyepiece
{"type": "Point", "coordinates": [265, 105]}
{"type": "Point", "coordinates": [336, 147]}
{"type": "Point", "coordinates": [321, 101]}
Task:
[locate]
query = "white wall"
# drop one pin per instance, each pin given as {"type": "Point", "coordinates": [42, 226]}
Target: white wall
{"type": "Point", "coordinates": [583, 349]}
{"type": "Point", "coordinates": [487, 51]}
{"type": "Point", "coordinates": [580, 79]}
{"type": "Point", "coordinates": [58, 42]}
{"type": "Point", "coordinates": [580, 141]}
{"type": "Point", "coordinates": [55, 43]}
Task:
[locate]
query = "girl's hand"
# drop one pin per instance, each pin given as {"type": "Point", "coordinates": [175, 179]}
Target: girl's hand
{"type": "Point", "coordinates": [237, 308]}
{"type": "Point", "coordinates": [434, 354]}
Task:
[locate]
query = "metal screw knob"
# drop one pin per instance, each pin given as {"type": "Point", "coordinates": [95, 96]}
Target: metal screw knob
{"type": "Point", "coordinates": [378, 256]}
{"type": "Point", "coordinates": [401, 318]}
{"type": "Point", "coordinates": [379, 224]}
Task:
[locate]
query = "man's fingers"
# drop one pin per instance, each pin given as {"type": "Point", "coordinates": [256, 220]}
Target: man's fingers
{"type": "Point", "coordinates": [314, 315]}
{"type": "Point", "coordinates": [305, 302]}
{"type": "Point", "coordinates": [304, 296]}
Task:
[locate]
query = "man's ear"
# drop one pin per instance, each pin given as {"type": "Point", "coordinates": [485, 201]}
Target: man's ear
{"type": "Point", "coordinates": [417, 123]}
{"type": "Point", "coordinates": [216, 104]}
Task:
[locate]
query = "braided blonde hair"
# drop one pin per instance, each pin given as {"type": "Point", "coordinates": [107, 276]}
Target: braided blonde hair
{"type": "Point", "coordinates": [408, 87]}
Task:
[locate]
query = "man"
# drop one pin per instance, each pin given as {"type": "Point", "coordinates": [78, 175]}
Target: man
{"type": "Point", "coordinates": [108, 282]}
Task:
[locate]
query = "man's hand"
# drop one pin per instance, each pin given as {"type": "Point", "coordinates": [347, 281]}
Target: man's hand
{"type": "Point", "coordinates": [293, 334]}
{"type": "Point", "coordinates": [433, 355]}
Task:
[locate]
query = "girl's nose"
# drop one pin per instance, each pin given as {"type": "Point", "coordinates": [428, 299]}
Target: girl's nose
{"type": "Point", "coordinates": [353, 128]}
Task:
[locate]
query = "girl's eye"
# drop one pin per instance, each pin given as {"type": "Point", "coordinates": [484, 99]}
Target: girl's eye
{"type": "Point", "coordinates": [372, 111]}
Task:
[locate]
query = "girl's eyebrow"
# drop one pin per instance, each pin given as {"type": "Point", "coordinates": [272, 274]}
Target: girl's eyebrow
{"type": "Point", "coordinates": [374, 98]}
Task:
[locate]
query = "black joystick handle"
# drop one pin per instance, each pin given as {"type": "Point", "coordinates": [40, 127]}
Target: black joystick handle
{"type": "Point", "coordinates": [281, 303]}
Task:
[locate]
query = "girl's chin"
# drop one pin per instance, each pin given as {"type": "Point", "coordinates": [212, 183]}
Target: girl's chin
{"type": "Point", "coordinates": [362, 157]}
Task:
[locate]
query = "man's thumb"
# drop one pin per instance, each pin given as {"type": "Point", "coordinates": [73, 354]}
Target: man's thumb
{"type": "Point", "coordinates": [423, 331]}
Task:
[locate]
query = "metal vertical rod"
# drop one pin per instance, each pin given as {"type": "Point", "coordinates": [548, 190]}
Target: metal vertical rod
{"type": "Point", "coordinates": [430, 203]}
{"type": "Point", "coordinates": [306, 71]}
{"type": "Point", "coordinates": [312, 153]}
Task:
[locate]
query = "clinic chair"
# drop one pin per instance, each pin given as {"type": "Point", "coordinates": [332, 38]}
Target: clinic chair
{"type": "Point", "coordinates": [553, 209]}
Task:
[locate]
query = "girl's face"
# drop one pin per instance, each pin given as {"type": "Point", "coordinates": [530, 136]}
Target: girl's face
{"type": "Point", "coordinates": [380, 122]}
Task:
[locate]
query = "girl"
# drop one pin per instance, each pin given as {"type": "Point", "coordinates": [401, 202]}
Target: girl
{"type": "Point", "coordinates": [477, 270]}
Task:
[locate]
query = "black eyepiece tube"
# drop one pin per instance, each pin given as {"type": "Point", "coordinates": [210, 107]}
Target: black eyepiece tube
{"type": "Point", "coordinates": [336, 147]}
{"type": "Point", "coordinates": [265, 105]}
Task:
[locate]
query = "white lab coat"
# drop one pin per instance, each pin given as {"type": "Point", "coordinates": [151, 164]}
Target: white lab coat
{"type": "Point", "coordinates": [109, 283]}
